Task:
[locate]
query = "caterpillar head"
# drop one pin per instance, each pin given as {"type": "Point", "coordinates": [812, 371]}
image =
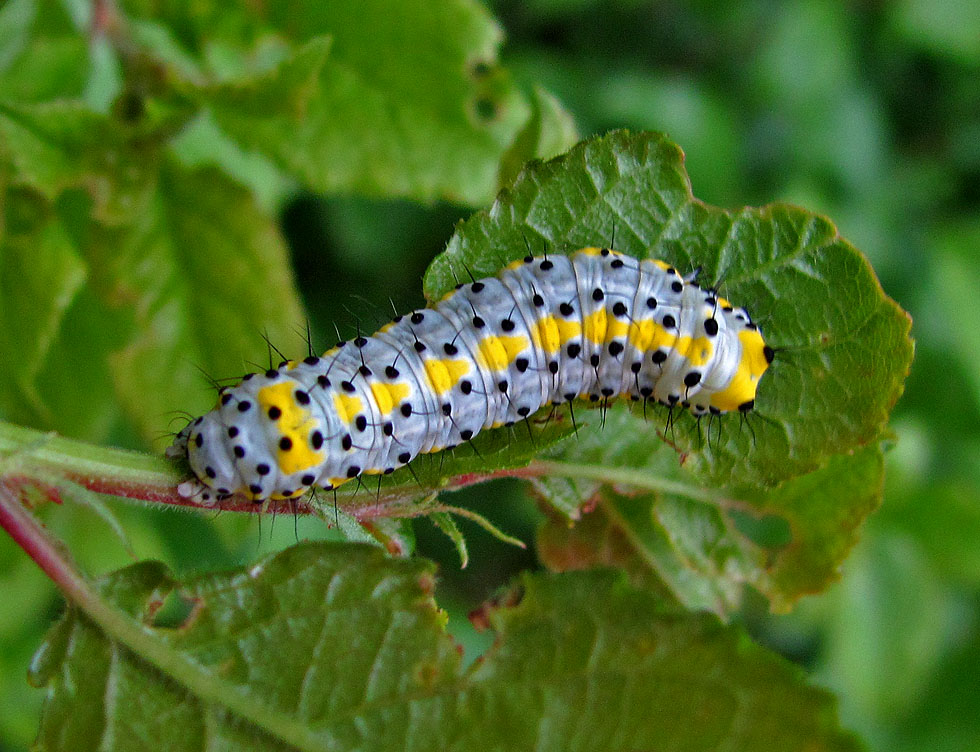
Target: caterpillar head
{"type": "Point", "coordinates": [753, 360]}
{"type": "Point", "coordinates": [263, 440]}
{"type": "Point", "coordinates": [202, 446]}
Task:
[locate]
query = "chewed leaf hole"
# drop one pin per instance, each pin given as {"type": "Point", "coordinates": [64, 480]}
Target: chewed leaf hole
{"type": "Point", "coordinates": [176, 611]}
{"type": "Point", "coordinates": [480, 68]}
{"type": "Point", "coordinates": [486, 109]}
{"type": "Point", "coordinates": [767, 531]}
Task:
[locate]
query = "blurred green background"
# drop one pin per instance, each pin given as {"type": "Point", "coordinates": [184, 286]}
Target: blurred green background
{"type": "Point", "coordinates": [866, 112]}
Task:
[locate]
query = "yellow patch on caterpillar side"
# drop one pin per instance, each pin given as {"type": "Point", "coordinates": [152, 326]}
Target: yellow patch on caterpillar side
{"type": "Point", "coordinates": [445, 373]}
{"type": "Point", "coordinates": [551, 332]}
{"type": "Point", "coordinates": [616, 328]}
{"type": "Point", "coordinates": [648, 335]}
{"type": "Point", "coordinates": [387, 327]}
{"type": "Point", "coordinates": [347, 407]}
{"type": "Point", "coordinates": [697, 350]}
{"type": "Point", "coordinates": [595, 324]}
{"type": "Point", "coordinates": [283, 497]}
{"type": "Point", "coordinates": [600, 328]}
{"type": "Point", "coordinates": [497, 352]}
{"type": "Point", "coordinates": [751, 366]}
{"type": "Point", "coordinates": [295, 423]}
{"type": "Point", "coordinates": [387, 396]}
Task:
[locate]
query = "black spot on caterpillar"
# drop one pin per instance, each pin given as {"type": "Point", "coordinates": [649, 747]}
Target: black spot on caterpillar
{"type": "Point", "coordinates": [545, 330]}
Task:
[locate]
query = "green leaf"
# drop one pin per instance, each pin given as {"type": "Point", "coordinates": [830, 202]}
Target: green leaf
{"type": "Point", "coordinates": [192, 315]}
{"type": "Point", "coordinates": [202, 143]}
{"type": "Point", "coordinates": [141, 278]}
{"type": "Point", "coordinates": [679, 548]}
{"type": "Point", "coordinates": [395, 536]}
{"type": "Point", "coordinates": [40, 274]}
{"type": "Point", "coordinates": [63, 171]}
{"type": "Point", "coordinates": [842, 355]}
{"type": "Point", "coordinates": [844, 345]}
{"type": "Point", "coordinates": [30, 596]}
{"type": "Point", "coordinates": [548, 132]}
{"type": "Point", "coordinates": [105, 82]}
{"type": "Point", "coordinates": [63, 144]}
{"type": "Point", "coordinates": [445, 522]}
{"type": "Point", "coordinates": [333, 646]}
{"type": "Point", "coordinates": [702, 548]}
{"type": "Point", "coordinates": [42, 55]}
{"type": "Point", "coordinates": [825, 510]}
{"type": "Point", "coordinates": [285, 91]}
{"type": "Point", "coordinates": [409, 102]}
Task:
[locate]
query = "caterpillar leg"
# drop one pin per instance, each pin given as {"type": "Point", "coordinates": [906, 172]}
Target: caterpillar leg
{"type": "Point", "coordinates": [195, 490]}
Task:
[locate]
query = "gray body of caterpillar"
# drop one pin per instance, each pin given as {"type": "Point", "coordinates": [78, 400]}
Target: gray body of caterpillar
{"type": "Point", "coordinates": [595, 325]}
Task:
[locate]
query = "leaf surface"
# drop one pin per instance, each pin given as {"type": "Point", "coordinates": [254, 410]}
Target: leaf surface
{"type": "Point", "coordinates": [348, 650]}
{"type": "Point", "coordinates": [378, 98]}
{"type": "Point", "coordinates": [142, 278]}
{"type": "Point", "coordinates": [843, 351]}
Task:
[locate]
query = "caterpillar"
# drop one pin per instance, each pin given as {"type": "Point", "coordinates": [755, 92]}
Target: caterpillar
{"type": "Point", "coordinates": [593, 325]}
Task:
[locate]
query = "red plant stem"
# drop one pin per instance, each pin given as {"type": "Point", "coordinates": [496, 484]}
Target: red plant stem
{"type": "Point", "coordinates": [53, 560]}
{"type": "Point", "coordinates": [34, 459]}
